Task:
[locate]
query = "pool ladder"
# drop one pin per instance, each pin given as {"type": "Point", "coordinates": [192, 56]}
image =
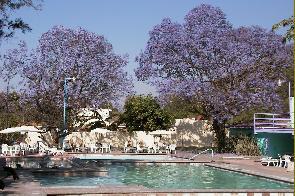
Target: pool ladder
{"type": "Point", "coordinates": [212, 153]}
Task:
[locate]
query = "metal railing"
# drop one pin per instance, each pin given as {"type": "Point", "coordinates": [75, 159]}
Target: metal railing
{"type": "Point", "coordinates": [276, 123]}
{"type": "Point", "coordinates": [212, 153]}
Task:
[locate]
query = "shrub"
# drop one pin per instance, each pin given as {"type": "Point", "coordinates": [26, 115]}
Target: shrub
{"type": "Point", "coordinates": [242, 145]}
{"type": "Point", "coordinates": [247, 146]}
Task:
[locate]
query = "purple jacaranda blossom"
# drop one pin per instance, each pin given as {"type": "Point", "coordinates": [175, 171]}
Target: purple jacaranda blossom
{"type": "Point", "coordinates": [229, 70]}
{"type": "Point", "coordinates": [12, 61]}
{"type": "Point", "coordinates": [88, 57]}
{"type": "Point", "coordinates": [84, 55]}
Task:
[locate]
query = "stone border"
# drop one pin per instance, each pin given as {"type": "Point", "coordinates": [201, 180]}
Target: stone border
{"type": "Point", "coordinates": [142, 190]}
{"type": "Point", "coordinates": [230, 167]}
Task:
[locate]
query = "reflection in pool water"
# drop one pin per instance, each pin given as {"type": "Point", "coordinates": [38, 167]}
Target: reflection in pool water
{"type": "Point", "coordinates": [165, 177]}
{"type": "Point", "coordinates": [80, 160]}
{"type": "Point", "coordinates": [149, 157]}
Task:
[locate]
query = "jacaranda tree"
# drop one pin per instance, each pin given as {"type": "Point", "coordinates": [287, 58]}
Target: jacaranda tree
{"type": "Point", "coordinates": [62, 53]}
{"type": "Point", "coordinates": [227, 70]}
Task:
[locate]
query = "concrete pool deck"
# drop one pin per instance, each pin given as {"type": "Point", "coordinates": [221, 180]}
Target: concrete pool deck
{"type": "Point", "coordinates": [27, 185]}
{"type": "Point", "coordinates": [255, 168]}
{"type": "Point", "coordinates": [248, 165]}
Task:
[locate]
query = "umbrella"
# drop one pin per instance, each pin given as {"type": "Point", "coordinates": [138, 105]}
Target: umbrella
{"type": "Point", "coordinates": [33, 138]}
{"type": "Point", "coordinates": [21, 129]}
{"type": "Point", "coordinates": [101, 130]}
{"type": "Point", "coordinates": [162, 132]}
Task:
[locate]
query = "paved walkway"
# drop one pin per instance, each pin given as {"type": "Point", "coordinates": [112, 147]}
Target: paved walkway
{"type": "Point", "coordinates": [26, 185]}
{"type": "Point", "coordinates": [250, 165]}
{"type": "Point", "coordinates": [256, 167]}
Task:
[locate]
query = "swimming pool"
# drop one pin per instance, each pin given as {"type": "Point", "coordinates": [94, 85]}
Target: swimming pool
{"type": "Point", "coordinates": [38, 162]}
{"type": "Point", "coordinates": [83, 160]}
{"type": "Point", "coordinates": [146, 157]}
{"type": "Point", "coordinates": [178, 176]}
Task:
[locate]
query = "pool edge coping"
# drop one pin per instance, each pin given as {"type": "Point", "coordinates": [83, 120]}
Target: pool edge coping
{"type": "Point", "coordinates": [139, 189]}
{"type": "Point", "coordinates": [249, 172]}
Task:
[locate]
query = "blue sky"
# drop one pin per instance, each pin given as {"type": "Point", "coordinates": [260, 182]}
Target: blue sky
{"type": "Point", "coordinates": [126, 23]}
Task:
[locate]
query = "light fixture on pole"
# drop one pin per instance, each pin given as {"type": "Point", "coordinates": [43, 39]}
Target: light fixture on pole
{"type": "Point", "coordinates": [280, 82]}
{"type": "Point", "coordinates": [64, 132]}
{"type": "Point", "coordinates": [290, 99]}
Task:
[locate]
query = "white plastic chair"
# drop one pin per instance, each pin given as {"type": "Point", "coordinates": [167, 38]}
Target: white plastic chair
{"type": "Point", "coordinates": [138, 148]}
{"type": "Point", "coordinates": [285, 160]}
{"type": "Point", "coordinates": [156, 149]}
{"type": "Point", "coordinates": [106, 147]}
{"type": "Point", "coordinates": [15, 150]}
{"type": "Point", "coordinates": [172, 148]}
{"type": "Point", "coordinates": [34, 148]}
{"type": "Point", "coordinates": [4, 148]}
{"type": "Point", "coordinates": [167, 151]}
{"type": "Point", "coordinates": [126, 148]}
{"type": "Point", "coordinates": [23, 148]}
{"type": "Point", "coordinates": [93, 147]}
{"type": "Point", "coordinates": [150, 149]}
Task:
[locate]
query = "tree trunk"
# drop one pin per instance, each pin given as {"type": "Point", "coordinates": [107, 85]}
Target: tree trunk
{"type": "Point", "coordinates": [220, 135]}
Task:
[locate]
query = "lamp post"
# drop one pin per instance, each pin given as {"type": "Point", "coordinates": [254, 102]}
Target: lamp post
{"type": "Point", "coordinates": [289, 93]}
{"type": "Point", "coordinates": [289, 85]}
{"type": "Point", "coordinates": [64, 132]}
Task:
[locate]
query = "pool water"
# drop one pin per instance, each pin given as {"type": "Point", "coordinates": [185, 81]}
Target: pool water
{"type": "Point", "coordinates": [124, 157]}
{"type": "Point", "coordinates": [166, 177]}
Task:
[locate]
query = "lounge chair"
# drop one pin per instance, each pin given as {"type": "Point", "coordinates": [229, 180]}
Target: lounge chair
{"type": "Point", "coordinates": [129, 149]}
{"type": "Point", "coordinates": [55, 151]}
{"type": "Point", "coordinates": [269, 161]}
{"type": "Point", "coordinates": [43, 148]}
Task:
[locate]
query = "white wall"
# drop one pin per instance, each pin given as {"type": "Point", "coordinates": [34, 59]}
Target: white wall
{"type": "Point", "coordinates": [188, 132]}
